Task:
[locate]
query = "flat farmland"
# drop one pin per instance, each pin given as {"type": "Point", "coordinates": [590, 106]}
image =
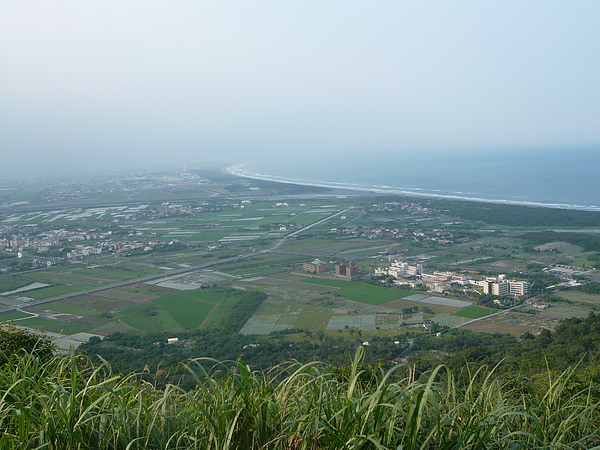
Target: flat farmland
{"type": "Point", "coordinates": [183, 310]}
{"type": "Point", "coordinates": [557, 312]}
{"type": "Point", "coordinates": [152, 289]}
{"type": "Point", "coordinates": [186, 310]}
{"type": "Point", "coordinates": [53, 291]}
{"type": "Point", "coordinates": [492, 326]}
{"type": "Point", "coordinates": [325, 244]}
{"type": "Point", "coordinates": [115, 327]}
{"type": "Point", "coordinates": [75, 277]}
{"type": "Point", "coordinates": [313, 320]}
{"type": "Point", "coordinates": [475, 312]}
{"type": "Point", "coordinates": [285, 280]}
{"type": "Point", "coordinates": [106, 301]}
{"type": "Point", "coordinates": [12, 315]}
{"type": "Point", "coordinates": [140, 309]}
{"type": "Point", "coordinates": [54, 326]}
{"type": "Point", "coordinates": [257, 272]}
{"type": "Point", "coordinates": [276, 263]}
{"type": "Point", "coordinates": [371, 249]}
{"type": "Point", "coordinates": [199, 294]}
{"type": "Point", "coordinates": [148, 318]}
{"type": "Point", "coordinates": [363, 293]}
{"type": "Point", "coordinates": [206, 238]}
{"type": "Point", "coordinates": [590, 299]}
{"type": "Point", "coordinates": [403, 303]}
{"type": "Point", "coordinates": [65, 308]}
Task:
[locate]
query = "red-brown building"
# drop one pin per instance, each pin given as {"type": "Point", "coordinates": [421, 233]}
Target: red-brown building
{"type": "Point", "coordinates": [346, 270]}
{"type": "Point", "coordinates": [317, 266]}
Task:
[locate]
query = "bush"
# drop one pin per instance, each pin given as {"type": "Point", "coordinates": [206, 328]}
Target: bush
{"type": "Point", "coordinates": [15, 341]}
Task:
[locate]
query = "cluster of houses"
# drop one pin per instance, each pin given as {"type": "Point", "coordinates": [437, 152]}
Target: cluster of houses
{"type": "Point", "coordinates": [33, 245]}
{"type": "Point", "coordinates": [413, 275]}
{"type": "Point", "coordinates": [18, 239]}
{"type": "Point", "coordinates": [415, 208]}
{"type": "Point", "coordinates": [78, 190]}
{"type": "Point", "coordinates": [438, 236]}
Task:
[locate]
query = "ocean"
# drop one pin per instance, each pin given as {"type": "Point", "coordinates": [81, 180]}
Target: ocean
{"type": "Point", "coordinates": [558, 178]}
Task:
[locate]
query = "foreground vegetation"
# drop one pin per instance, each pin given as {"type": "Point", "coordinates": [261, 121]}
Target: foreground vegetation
{"type": "Point", "coordinates": [69, 403]}
{"type": "Point", "coordinates": [575, 343]}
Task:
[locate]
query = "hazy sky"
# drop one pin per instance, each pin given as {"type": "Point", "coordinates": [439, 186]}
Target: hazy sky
{"type": "Point", "coordinates": [94, 84]}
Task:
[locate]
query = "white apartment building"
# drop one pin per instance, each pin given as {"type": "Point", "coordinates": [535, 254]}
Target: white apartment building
{"type": "Point", "coordinates": [400, 269]}
{"type": "Point", "coordinates": [501, 286]}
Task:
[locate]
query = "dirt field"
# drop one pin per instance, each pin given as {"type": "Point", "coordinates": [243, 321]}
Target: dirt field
{"type": "Point", "coordinates": [116, 328]}
{"type": "Point", "coordinates": [112, 301]}
{"type": "Point", "coordinates": [489, 326]}
{"type": "Point", "coordinates": [114, 294]}
{"type": "Point", "coordinates": [550, 246]}
{"type": "Point", "coordinates": [592, 299]}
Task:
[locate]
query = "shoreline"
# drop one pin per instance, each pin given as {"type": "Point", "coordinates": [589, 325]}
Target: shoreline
{"type": "Point", "coordinates": [238, 171]}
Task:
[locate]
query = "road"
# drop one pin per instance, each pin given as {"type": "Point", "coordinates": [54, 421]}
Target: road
{"type": "Point", "coordinates": [308, 227]}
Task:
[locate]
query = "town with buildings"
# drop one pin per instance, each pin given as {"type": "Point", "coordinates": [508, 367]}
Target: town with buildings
{"type": "Point", "coordinates": [413, 275]}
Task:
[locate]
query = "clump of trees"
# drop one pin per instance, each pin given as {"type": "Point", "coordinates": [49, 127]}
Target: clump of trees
{"type": "Point", "coordinates": [16, 341]}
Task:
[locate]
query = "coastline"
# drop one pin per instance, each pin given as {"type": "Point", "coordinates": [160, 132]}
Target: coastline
{"type": "Point", "coordinates": [357, 190]}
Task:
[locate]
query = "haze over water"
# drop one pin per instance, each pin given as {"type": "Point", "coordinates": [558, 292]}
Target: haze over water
{"type": "Point", "coordinates": [94, 86]}
{"type": "Point", "coordinates": [564, 178]}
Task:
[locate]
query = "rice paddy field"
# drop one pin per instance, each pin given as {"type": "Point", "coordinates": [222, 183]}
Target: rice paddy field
{"type": "Point", "coordinates": [138, 312]}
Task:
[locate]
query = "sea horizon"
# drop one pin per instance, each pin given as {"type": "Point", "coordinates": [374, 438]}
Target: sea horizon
{"type": "Point", "coordinates": [559, 179]}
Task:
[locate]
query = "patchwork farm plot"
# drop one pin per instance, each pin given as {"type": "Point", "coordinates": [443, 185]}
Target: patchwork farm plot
{"type": "Point", "coordinates": [363, 293]}
{"type": "Point", "coordinates": [316, 303]}
{"type": "Point", "coordinates": [475, 312]}
{"type": "Point", "coordinates": [143, 310]}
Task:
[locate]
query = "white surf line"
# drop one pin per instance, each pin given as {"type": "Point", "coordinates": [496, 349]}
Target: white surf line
{"type": "Point", "coordinates": [237, 170]}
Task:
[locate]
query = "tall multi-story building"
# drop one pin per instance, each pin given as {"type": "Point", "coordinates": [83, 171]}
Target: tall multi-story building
{"type": "Point", "coordinates": [501, 286]}
{"type": "Point", "coordinates": [519, 287]}
{"type": "Point", "coordinates": [346, 270]}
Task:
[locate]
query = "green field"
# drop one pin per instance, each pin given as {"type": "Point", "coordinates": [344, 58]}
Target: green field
{"type": "Point", "coordinates": [188, 312]}
{"type": "Point", "coordinates": [54, 326]}
{"type": "Point", "coordinates": [257, 271]}
{"type": "Point", "coordinates": [363, 293]}
{"type": "Point", "coordinates": [475, 312]}
{"type": "Point", "coordinates": [187, 309]}
{"type": "Point", "coordinates": [53, 291]}
{"type": "Point", "coordinates": [202, 295]}
{"type": "Point", "coordinates": [575, 296]}
{"type": "Point", "coordinates": [12, 315]}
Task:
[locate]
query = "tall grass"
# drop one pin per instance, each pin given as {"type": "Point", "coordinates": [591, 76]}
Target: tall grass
{"type": "Point", "coordinates": [68, 403]}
